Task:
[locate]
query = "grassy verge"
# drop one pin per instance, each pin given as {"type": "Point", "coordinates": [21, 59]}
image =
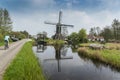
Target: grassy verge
{"type": "Point", "coordinates": [55, 42]}
{"type": "Point", "coordinates": [113, 46]}
{"type": "Point", "coordinates": [1, 43]}
{"type": "Point", "coordinates": [111, 57]}
{"type": "Point", "coordinates": [107, 45]}
{"type": "Point", "coordinates": [87, 44]}
{"type": "Point", "coordinates": [25, 66]}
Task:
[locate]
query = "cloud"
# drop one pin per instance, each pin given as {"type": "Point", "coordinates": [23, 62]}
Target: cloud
{"type": "Point", "coordinates": [34, 23]}
{"type": "Point", "coordinates": [32, 14]}
{"type": "Point", "coordinates": [82, 19]}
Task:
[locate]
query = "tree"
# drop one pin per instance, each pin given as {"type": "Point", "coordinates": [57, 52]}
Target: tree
{"type": "Point", "coordinates": [17, 34]}
{"type": "Point", "coordinates": [5, 21]}
{"type": "Point", "coordinates": [93, 31]}
{"type": "Point", "coordinates": [25, 33]}
{"type": "Point", "coordinates": [74, 39]}
{"type": "Point", "coordinates": [98, 30]}
{"type": "Point", "coordinates": [116, 29]}
{"type": "Point", "coordinates": [44, 34]}
{"type": "Point", "coordinates": [79, 37]}
{"type": "Point", "coordinates": [82, 36]}
{"type": "Point", "coordinates": [107, 33]}
{"type": "Point", "coordinates": [1, 16]}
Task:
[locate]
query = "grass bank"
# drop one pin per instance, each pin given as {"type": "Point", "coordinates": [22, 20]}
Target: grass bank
{"type": "Point", "coordinates": [25, 66]}
{"type": "Point", "coordinates": [1, 43]}
{"type": "Point", "coordinates": [111, 57]}
{"type": "Point", "coordinates": [106, 45]}
{"type": "Point", "coordinates": [55, 42]}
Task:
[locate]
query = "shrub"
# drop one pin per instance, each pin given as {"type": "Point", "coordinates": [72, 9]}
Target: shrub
{"type": "Point", "coordinates": [1, 38]}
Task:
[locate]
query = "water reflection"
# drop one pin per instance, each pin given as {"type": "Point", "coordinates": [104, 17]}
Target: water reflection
{"type": "Point", "coordinates": [60, 54]}
{"type": "Point", "coordinates": [98, 63]}
{"type": "Point", "coordinates": [41, 48]}
{"type": "Point", "coordinates": [58, 64]}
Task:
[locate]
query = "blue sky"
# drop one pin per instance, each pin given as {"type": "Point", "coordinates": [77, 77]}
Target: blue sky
{"type": "Point", "coordinates": [44, 5]}
{"type": "Point", "coordinates": [30, 14]}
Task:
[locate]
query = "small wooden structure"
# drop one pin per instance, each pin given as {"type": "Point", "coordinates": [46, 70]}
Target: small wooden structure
{"type": "Point", "coordinates": [41, 43]}
{"type": "Point", "coordinates": [40, 39]}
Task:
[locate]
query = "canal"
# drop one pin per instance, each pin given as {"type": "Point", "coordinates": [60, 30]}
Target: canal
{"type": "Point", "coordinates": [64, 64]}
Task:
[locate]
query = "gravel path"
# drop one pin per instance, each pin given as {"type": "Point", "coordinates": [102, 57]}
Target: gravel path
{"type": "Point", "coordinates": [6, 56]}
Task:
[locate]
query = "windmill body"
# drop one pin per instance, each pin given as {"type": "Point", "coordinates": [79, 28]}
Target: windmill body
{"type": "Point", "coordinates": [58, 35]}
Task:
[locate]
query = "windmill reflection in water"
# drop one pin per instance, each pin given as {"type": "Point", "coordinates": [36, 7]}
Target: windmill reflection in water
{"type": "Point", "coordinates": [60, 54]}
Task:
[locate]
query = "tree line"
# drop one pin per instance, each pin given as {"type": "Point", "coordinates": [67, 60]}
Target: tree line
{"type": "Point", "coordinates": [6, 26]}
{"type": "Point", "coordinates": [5, 21]}
{"type": "Point", "coordinates": [76, 38]}
{"type": "Point", "coordinates": [110, 33]}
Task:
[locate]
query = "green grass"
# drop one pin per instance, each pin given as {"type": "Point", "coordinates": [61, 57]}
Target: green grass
{"type": "Point", "coordinates": [25, 66]}
{"type": "Point", "coordinates": [87, 44]}
{"type": "Point", "coordinates": [54, 42]}
{"type": "Point", "coordinates": [1, 43]}
{"type": "Point", "coordinates": [113, 45]}
{"type": "Point", "coordinates": [107, 45]}
{"type": "Point", "coordinates": [111, 57]}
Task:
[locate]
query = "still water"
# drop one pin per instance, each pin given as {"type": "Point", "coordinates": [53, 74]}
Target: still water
{"type": "Point", "coordinates": [63, 64]}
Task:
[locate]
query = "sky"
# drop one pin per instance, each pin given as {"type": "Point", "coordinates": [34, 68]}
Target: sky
{"type": "Point", "coordinates": [30, 15]}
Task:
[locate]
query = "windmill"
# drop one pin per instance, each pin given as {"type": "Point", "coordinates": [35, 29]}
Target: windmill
{"type": "Point", "coordinates": [59, 25]}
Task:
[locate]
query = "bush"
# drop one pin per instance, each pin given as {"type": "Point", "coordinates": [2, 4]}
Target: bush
{"type": "Point", "coordinates": [22, 36]}
{"type": "Point", "coordinates": [1, 38]}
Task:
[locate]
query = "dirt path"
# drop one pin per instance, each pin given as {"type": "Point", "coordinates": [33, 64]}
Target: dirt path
{"type": "Point", "coordinates": [6, 56]}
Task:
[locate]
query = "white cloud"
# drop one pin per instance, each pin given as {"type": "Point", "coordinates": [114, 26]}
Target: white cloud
{"type": "Point", "coordinates": [88, 20]}
{"type": "Point", "coordinates": [34, 22]}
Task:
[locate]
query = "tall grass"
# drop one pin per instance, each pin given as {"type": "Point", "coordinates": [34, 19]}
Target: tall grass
{"type": "Point", "coordinates": [25, 66]}
{"type": "Point", "coordinates": [111, 57]}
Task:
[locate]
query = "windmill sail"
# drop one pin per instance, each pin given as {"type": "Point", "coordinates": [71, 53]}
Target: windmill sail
{"type": "Point", "coordinates": [67, 25]}
{"type": "Point", "coordinates": [59, 35]}
{"type": "Point", "coordinates": [50, 23]}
